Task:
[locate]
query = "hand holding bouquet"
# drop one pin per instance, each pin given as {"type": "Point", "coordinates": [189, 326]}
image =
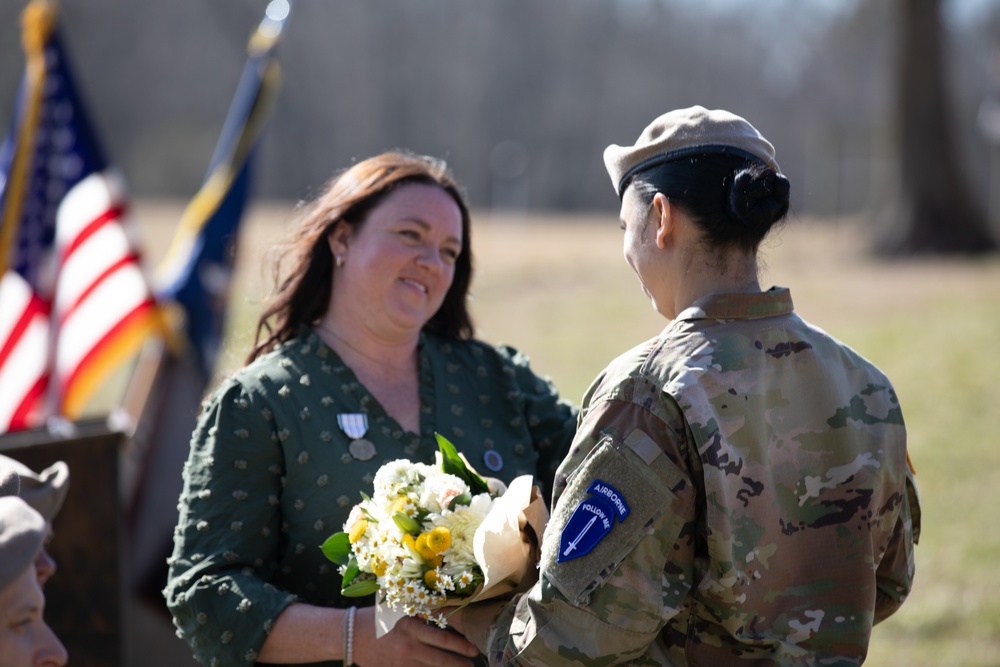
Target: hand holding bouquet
{"type": "Point", "coordinates": [431, 536]}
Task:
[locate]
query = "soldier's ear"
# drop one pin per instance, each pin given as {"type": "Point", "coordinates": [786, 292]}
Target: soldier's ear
{"type": "Point", "coordinates": [664, 214]}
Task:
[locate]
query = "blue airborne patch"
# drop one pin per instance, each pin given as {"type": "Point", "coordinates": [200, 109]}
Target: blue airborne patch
{"type": "Point", "coordinates": [592, 521]}
{"type": "Point", "coordinates": [611, 494]}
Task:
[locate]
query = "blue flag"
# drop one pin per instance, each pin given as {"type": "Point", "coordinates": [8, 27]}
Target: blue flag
{"type": "Point", "coordinates": [193, 281]}
{"type": "Point", "coordinates": [196, 273]}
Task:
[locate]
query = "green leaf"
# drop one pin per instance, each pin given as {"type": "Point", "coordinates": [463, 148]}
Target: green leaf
{"type": "Point", "coordinates": [359, 589]}
{"type": "Point", "coordinates": [406, 523]}
{"type": "Point", "coordinates": [463, 500]}
{"type": "Point", "coordinates": [352, 571]}
{"type": "Point", "coordinates": [337, 548]}
{"type": "Point", "coordinates": [453, 464]}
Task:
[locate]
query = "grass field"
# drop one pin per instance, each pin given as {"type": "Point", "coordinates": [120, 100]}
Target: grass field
{"type": "Point", "coordinates": [558, 289]}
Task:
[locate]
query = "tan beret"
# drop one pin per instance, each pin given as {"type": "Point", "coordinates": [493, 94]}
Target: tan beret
{"type": "Point", "coordinates": [45, 491]}
{"type": "Point", "coordinates": [684, 132]}
{"type": "Point", "coordinates": [22, 530]}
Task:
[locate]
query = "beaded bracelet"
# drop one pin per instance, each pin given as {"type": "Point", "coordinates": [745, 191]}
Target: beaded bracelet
{"type": "Point", "coordinates": [349, 637]}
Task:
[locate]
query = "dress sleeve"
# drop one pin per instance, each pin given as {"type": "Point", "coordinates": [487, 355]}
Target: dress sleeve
{"type": "Point", "coordinates": [615, 533]}
{"type": "Point", "coordinates": [226, 541]}
{"type": "Point", "coordinates": [551, 420]}
{"type": "Point", "coordinates": [894, 576]}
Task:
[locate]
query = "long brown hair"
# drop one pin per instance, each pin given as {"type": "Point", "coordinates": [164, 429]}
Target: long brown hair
{"type": "Point", "coordinates": [302, 295]}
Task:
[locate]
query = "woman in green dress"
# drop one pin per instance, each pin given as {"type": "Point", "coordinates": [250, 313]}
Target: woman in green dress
{"type": "Point", "coordinates": [365, 352]}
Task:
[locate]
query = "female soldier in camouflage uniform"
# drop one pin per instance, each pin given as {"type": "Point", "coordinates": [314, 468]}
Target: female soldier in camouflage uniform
{"type": "Point", "coordinates": [738, 490]}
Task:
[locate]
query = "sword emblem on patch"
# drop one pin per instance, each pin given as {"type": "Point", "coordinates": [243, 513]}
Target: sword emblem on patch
{"type": "Point", "coordinates": [592, 520]}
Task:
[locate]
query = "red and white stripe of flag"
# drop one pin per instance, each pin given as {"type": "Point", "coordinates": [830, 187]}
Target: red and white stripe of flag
{"type": "Point", "coordinates": [102, 307]}
{"type": "Point", "coordinates": [24, 353]}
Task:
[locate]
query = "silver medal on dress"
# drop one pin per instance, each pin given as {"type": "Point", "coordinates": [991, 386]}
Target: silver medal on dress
{"type": "Point", "coordinates": [355, 425]}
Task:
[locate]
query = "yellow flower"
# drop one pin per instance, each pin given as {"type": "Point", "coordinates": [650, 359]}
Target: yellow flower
{"type": "Point", "coordinates": [425, 551]}
{"type": "Point", "coordinates": [357, 530]}
{"type": "Point", "coordinates": [399, 505]}
{"type": "Point", "coordinates": [431, 577]}
{"type": "Point", "coordinates": [379, 567]}
{"type": "Point", "coordinates": [439, 540]}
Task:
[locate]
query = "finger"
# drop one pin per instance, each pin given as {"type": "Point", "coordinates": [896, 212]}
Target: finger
{"type": "Point", "coordinates": [447, 640]}
{"type": "Point", "coordinates": [454, 641]}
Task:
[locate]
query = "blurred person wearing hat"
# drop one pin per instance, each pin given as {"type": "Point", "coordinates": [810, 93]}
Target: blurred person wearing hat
{"type": "Point", "coordinates": [366, 350]}
{"type": "Point", "coordinates": [26, 640]}
{"type": "Point", "coordinates": [738, 491]}
{"type": "Point", "coordinates": [45, 492]}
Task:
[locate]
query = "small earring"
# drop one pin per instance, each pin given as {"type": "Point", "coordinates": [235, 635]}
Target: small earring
{"type": "Point", "coordinates": [338, 261]}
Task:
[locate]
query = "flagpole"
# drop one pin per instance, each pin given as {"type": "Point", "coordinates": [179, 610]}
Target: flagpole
{"type": "Point", "coordinates": [37, 23]}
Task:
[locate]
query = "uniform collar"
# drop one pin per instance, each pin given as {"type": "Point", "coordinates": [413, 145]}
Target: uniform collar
{"type": "Point", "coordinates": [740, 306]}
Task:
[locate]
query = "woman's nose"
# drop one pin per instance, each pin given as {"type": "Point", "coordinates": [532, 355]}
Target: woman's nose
{"type": "Point", "coordinates": [52, 653]}
{"type": "Point", "coordinates": [431, 257]}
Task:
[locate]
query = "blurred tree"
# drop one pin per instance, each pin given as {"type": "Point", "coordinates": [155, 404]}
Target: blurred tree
{"type": "Point", "coordinates": [927, 205]}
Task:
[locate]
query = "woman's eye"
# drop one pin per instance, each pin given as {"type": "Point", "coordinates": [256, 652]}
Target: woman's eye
{"type": "Point", "coordinates": [20, 626]}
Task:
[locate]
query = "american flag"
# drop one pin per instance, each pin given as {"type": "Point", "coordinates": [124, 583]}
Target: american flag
{"type": "Point", "coordinates": [74, 302]}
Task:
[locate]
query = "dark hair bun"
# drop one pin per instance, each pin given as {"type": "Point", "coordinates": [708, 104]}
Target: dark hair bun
{"type": "Point", "coordinates": [758, 196]}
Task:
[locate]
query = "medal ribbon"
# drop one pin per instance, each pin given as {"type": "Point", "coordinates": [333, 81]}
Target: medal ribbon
{"type": "Point", "coordinates": [355, 425]}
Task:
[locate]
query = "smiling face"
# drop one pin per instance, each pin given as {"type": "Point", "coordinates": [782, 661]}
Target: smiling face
{"type": "Point", "coordinates": [25, 639]}
{"type": "Point", "coordinates": [399, 264]}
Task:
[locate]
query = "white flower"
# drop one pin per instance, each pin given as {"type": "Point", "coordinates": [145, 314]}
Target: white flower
{"type": "Point", "coordinates": [440, 490]}
{"type": "Point", "coordinates": [463, 522]}
{"type": "Point", "coordinates": [392, 478]}
{"type": "Point", "coordinates": [444, 581]}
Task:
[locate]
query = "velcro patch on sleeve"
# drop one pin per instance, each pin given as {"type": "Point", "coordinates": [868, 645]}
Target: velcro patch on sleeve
{"type": "Point", "coordinates": [603, 513]}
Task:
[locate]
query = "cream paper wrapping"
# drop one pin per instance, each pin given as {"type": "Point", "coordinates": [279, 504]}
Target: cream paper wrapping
{"type": "Point", "coordinates": [506, 545]}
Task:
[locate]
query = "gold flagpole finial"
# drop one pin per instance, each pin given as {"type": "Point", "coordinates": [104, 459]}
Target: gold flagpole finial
{"type": "Point", "coordinates": [37, 22]}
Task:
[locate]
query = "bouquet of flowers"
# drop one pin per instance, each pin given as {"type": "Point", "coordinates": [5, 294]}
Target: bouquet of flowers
{"type": "Point", "coordinates": [436, 535]}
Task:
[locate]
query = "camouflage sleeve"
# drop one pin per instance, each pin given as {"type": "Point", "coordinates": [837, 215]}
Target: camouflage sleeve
{"type": "Point", "coordinates": [894, 576]}
{"type": "Point", "coordinates": [601, 598]}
